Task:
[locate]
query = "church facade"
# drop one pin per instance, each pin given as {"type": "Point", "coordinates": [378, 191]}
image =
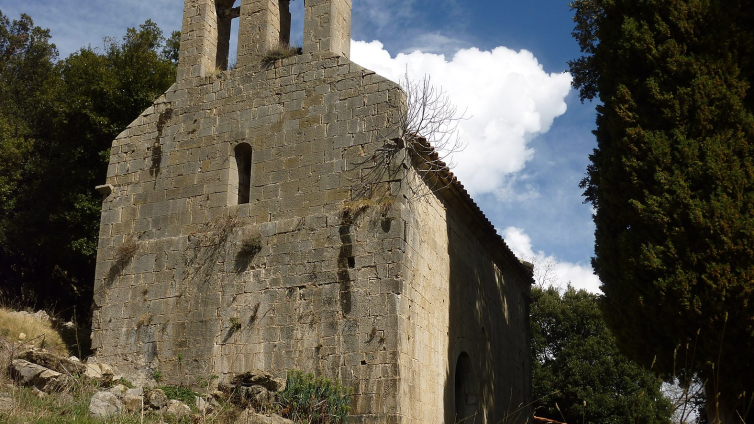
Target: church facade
{"type": "Point", "coordinates": [267, 217]}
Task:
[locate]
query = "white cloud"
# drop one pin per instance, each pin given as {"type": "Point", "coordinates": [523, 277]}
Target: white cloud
{"type": "Point", "coordinates": [507, 94]}
{"type": "Point", "coordinates": [548, 270]}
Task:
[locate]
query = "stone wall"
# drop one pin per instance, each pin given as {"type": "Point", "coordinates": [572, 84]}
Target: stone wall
{"type": "Point", "coordinates": [321, 293]}
{"type": "Point", "coordinates": [464, 293]}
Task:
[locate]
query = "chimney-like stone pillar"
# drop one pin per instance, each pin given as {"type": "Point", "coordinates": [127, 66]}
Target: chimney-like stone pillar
{"type": "Point", "coordinates": [205, 37]}
{"type": "Point", "coordinates": [198, 52]}
{"type": "Point", "coordinates": [265, 25]}
{"type": "Point", "coordinates": [327, 26]}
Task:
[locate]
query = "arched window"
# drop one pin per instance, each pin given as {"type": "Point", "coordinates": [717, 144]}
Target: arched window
{"type": "Point", "coordinates": [465, 388]}
{"type": "Point", "coordinates": [243, 167]}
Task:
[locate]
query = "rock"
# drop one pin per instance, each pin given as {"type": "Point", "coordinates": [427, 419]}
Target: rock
{"type": "Point", "coordinates": [24, 372]}
{"type": "Point", "coordinates": [118, 390]}
{"type": "Point", "coordinates": [133, 400]}
{"type": "Point", "coordinates": [202, 405]}
{"type": "Point", "coordinates": [105, 404]}
{"type": "Point", "coordinates": [206, 406]}
{"type": "Point", "coordinates": [250, 417]}
{"type": "Point", "coordinates": [22, 336]}
{"type": "Point", "coordinates": [155, 399]}
{"type": "Point", "coordinates": [38, 393]}
{"type": "Point", "coordinates": [257, 397]}
{"type": "Point", "coordinates": [53, 361]}
{"type": "Point", "coordinates": [41, 316]}
{"type": "Point", "coordinates": [43, 378]}
{"type": "Point", "coordinates": [53, 382]}
{"type": "Point", "coordinates": [178, 409]}
{"type": "Point", "coordinates": [99, 372]}
{"type": "Point", "coordinates": [259, 378]}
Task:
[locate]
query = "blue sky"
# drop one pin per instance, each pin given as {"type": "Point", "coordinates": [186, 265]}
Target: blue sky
{"type": "Point", "coordinates": [529, 133]}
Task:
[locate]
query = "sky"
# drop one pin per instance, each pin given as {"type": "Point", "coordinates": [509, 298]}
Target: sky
{"type": "Point", "coordinates": [527, 136]}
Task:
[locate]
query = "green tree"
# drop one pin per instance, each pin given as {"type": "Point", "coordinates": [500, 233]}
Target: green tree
{"type": "Point", "coordinates": [579, 375]}
{"type": "Point", "coordinates": [63, 130]}
{"type": "Point", "coordinates": [672, 183]}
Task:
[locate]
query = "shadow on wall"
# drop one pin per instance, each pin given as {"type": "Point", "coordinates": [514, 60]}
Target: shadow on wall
{"type": "Point", "coordinates": [488, 341]}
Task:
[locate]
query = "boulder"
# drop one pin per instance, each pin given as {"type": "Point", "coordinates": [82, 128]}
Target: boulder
{"type": "Point", "coordinates": [118, 390]}
{"type": "Point", "coordinates": [155, 399]}
{"type": "Point", "coordinates": [43, 378]}
{"type": "Point", "coordinates": [105, 404]}
{"type": "Point", "coordinates": [53, 361]}
{"type": "Point", "coordinates": [203, 406]}
{"type": "Point", "coordinates": [24, 372]}
{"type": "Point", "coordinates": [178, 409]}
{"type": "Point", "coordinates": [259, 378]}
{"type": "Point", "coordinates": [133, 400]}
{"type": "Point", "coordinates": [257, 397]}
{"type": "Point", "coordinates": [100, 372]}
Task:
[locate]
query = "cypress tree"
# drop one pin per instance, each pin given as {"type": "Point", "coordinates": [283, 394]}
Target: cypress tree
{"type": "Point", "coordinates": [672, 183]}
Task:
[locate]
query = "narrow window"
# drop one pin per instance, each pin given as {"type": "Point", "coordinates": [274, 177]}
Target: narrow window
{"type": "Point", "coordinates": [243, 165]}
{"type": "Point", "coordinates": [227, 31]}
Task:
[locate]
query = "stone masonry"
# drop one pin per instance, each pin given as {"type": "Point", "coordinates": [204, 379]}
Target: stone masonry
{"type": "Point", "coordinates": [262, 218]}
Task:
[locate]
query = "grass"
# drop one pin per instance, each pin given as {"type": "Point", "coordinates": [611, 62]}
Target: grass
{"type": "Point", "coordinates": [38, 333]}
{"type": "Point", "coordinates": [73, 407]}
{"type": "Point", "coordinates": [182, 394]}
{"type": "Point", "coordinates": [281, 52]}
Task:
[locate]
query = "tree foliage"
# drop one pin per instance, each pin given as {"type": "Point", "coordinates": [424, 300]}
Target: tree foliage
{"type": "Point", "coordinates": [579, 376]}
{"type": "Point", "coordinates": [672, 183]}
{"type": "Point", "coordinates": [57, 121]}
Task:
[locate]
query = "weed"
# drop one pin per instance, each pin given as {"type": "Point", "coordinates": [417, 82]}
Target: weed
{"type": "Point", "coordinates": [180, 393]}
{"type": "Point", "coordinates": [314, 400]}
{"type": "Point", "coordinates": [157, 376]}
{"type": "Point", "coordinates": [145, 319]}
{"type": "Point", "coordinates": [250, 246]}
{"type": "Point", "coordinates": [125, 383]}
{"type": "Point", "coordinates": [235, 324]}
{"type": "Point", "coordinates": [283, 51]}
{"type": "Point", "coordinates": [126, 250]}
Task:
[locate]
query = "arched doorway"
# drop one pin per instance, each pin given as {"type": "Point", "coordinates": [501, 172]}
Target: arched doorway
{"type": "Point", "coordinates": [466, 391]}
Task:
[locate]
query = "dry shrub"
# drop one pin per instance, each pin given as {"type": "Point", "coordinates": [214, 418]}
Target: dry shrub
{"type": "Point", "coordinates": [126, 250]}
{"type": "Point", "coordinates": [38, 332]}
{"type": "Point", "coordinates": [283, 51]}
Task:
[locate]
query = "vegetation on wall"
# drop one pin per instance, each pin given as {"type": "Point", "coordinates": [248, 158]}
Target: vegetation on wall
{"type": "Point", "coordinates": [57, 121]}
{"type": "Point", "coordinates": [672, 184]}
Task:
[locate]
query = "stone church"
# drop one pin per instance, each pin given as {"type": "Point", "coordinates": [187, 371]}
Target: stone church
{"type": "Point", "coordinates": [275, 216]}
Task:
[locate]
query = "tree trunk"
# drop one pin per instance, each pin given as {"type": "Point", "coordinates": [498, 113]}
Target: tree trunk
{"type": "Point", "coordinates": [724, 406]}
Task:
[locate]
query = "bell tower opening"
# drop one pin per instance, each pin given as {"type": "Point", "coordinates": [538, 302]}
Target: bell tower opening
{"type": "Point", "coordinates": [227, 32]}
{"type": "Point", "coordinates": [296, 38]}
